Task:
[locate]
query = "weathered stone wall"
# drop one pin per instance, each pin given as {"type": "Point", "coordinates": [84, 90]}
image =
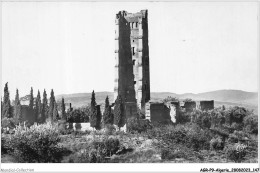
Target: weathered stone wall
{"type": "Point", "coordinates": [207, 105]}
{"type": "Point", "coordinates": [159, 113]}
{"type": "Point", "coordinates": [189, 106]}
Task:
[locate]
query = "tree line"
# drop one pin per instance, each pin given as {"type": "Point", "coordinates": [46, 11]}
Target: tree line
{"type": "Point", "coordinates": [95, 117]}
{"type": "Point", "coordinates": [43, 111]}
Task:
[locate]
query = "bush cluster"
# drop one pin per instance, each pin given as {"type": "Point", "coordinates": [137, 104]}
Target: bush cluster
{"type": "Point", "coordinates": [216, 143]}
{"type": "Point", "coordinates": [4, 144]}
{"type": "Point", "coordinates": [137, 125]}
{"type": "Point", "coordinates": [251, 124]}
{"type": "Point", "coordinates": [189, 135]}
{"type": "Point", "coordinates": [77, 116]}
{"type": "Point", "coordinates": [97, 151]}
{"type": "Point", "coordinates": [233, 154]}
{"type": "Point", "coordinates": [39, 143]}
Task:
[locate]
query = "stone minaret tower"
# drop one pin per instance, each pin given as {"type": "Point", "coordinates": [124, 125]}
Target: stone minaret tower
{"type": "Point", "coordinates": [132, 79]}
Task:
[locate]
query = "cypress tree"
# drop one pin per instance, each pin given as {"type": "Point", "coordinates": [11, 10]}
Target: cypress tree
{"type": "Point", "coordinates": [51, 106]}
{"type": "Point", "coordinates": [107, 115]}
{"type": "Point", "coordinates": [44, 107]}
{"type": "Point", "coordinates": [17, 108]}
{"type": "Point", "coordinates": [38, 106]}
{"type": "Point", "coordinates": [119, 112]}
{"type": "Point", "coordinates": [31, 103]}
{"type": "Point", "coordinates": [99, 117]}
{"type": "Point", "coordinates": [1, 108]}
{"type": "Point", "coordinates": [63, 113]}
{"type": "Point", "coordinates": [7, 109]}
{"type": "Point", "coordinates": [55, 115]}
{"type": "Point", "coordinates": [31, 100]}
{"type": "Point", "coordinates": [93, 114]}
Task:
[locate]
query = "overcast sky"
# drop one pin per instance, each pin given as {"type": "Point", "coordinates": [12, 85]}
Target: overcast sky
{"type": "Point", "coordinates": [194, 46]}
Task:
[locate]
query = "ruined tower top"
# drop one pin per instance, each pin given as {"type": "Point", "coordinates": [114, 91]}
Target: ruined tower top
{"type": "Point", "coordinates": [132, 17]}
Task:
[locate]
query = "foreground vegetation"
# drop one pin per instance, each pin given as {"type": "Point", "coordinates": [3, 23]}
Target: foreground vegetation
{"type": "Point", "coordinates": [219, 135]}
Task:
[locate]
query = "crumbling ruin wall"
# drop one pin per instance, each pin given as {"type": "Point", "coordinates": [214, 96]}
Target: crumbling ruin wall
{"type": "Point", "coordinates": [159, 113]}
{"type": "Point", "coordinates": [189, 106]}
{"type": "Point", "coordinates": [207, 105]}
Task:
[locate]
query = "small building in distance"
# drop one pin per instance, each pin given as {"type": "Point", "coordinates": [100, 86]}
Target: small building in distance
{"type": "Point", "coordinates": [26, 100]}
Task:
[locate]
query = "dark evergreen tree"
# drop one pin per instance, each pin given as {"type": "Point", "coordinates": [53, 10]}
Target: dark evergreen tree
{"type": "Point", "coordinates": [93, 114]}
{"type": "Point", "coordinates": [17, 108]}
{"type": "Point", "coordinates": [31, 100]}
{"type": "Point", "coordinates": [31, 105]}
{"type": "Point", "coordinates": [99, 117]}
{"type": "Point", "coordinates": [107, 115]}
{"type": "Point", "coordinates": [119, 118]}
{"type": "Point", "coordinates": [1, 108]}
{"type": "Point", "coordinates": [55, 115]}
{"type": "Point", "coordinates": [38, 106]}
{"type": "Point", "coordinates": [44, 107]}
{"type": "Point", "coordinates": [51, 106]}
{"type": "Point", "coordinates": [63, 113]}
{"type": "Point", "coordinates": [7, 109]}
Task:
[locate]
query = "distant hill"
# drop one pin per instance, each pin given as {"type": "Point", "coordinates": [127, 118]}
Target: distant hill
{"type": "Point", "coordinates": [233, 96]}
{"type": "Point", "coordinates": [221, 97]}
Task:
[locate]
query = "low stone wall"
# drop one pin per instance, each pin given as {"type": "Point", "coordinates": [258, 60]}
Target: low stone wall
{"type": "Point", "coordinates": [86, 126]}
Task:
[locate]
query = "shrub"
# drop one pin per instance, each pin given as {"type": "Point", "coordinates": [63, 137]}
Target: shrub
{"type": "Point", "coordinates": [217, 117]}
{"type": "Point", "coordinates": [107, 147]}
{"type": "Point", "coordinates": [167, 154]}
{"type": "Point", "coordinates": [237, 136]}
{"type": "Point", "coordinates": [109, 129]}
{"type": "Point", "coordinates": [204, 120]}
{"type": "Point", "coordinates": [4, 144]}
{"type": "Point", "coordinates": [137, 125]}
{"type": "Point", "coordinates": [132, 124]}
{"type": "Point", "coordinates": [7, 123]}
{"type": "Point", "coordinates": [144, 156]}
{"type": "Point", "coordinates": [180, 151]}
{"type": "Point", "coordinates": [62, 126]}
{"type": "Point", "coordinates": [39, 143]}
{"type": "Point", "coordinates": [168, 134]}
{"type": "Point", "coordinates": [188, 135]}
{"type": "Point", "coordinates": [232, 153]}
{"type": "Point", "coordinates": [216, 144]}
{"type": "Point", "coordinates": [236, 126]}
{"type": "Point", "coordinates": [235, 114]}
{"type": "Point", "coordinates": [197, 138]}
{"type": "Point", "coordinates": [251, 124]}
{"type": "Point", "coordinates": [183, 117]}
